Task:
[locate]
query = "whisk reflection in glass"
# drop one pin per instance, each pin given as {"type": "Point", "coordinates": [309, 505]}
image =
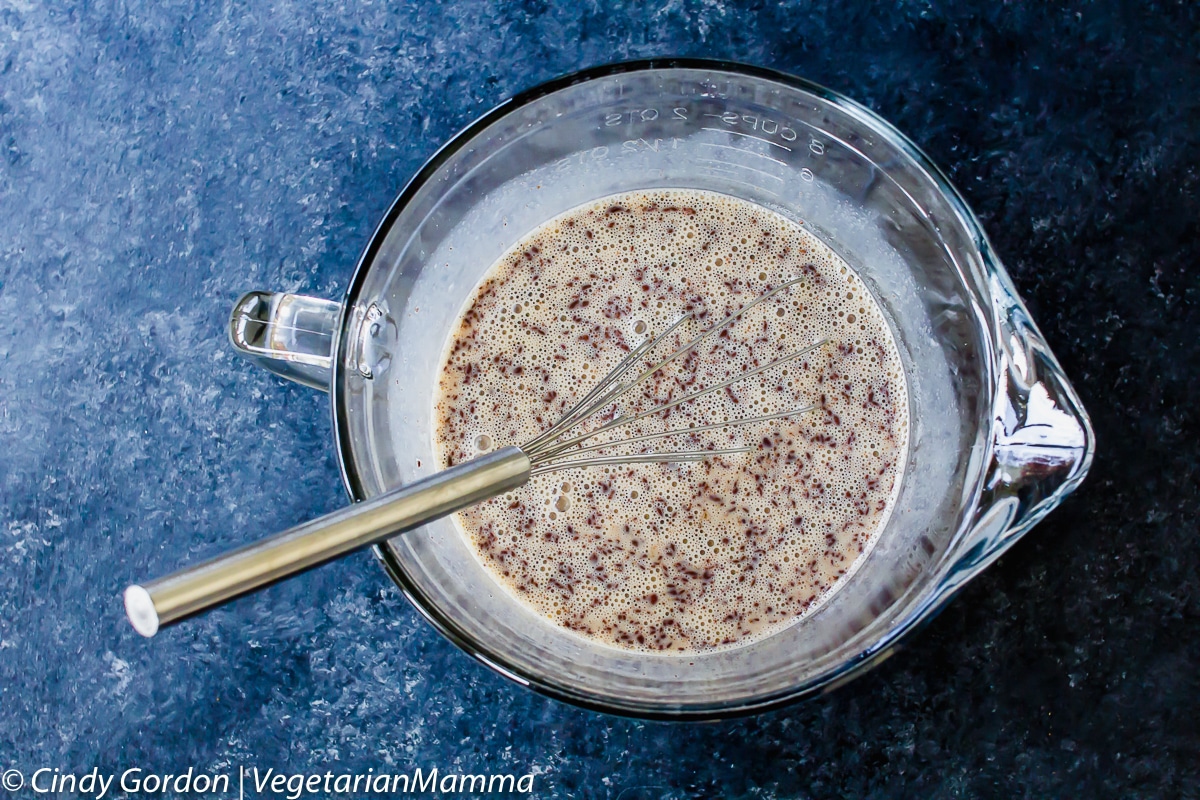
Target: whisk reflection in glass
{"type": "Point", "coordinates": [578, 439]}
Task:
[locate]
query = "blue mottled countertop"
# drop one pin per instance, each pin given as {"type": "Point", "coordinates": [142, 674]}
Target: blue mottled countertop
{"type": "Point", "coordinates": [157, 159]}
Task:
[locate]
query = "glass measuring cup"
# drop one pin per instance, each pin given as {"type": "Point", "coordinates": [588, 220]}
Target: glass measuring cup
{"type": "Point", "coordinates": [998, 435]}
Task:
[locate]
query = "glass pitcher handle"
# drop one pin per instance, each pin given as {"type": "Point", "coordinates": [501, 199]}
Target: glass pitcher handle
{"type": "Point", "coordinates": [1042, 441]}
{"type": "Point", "coordinates": [289, 334]}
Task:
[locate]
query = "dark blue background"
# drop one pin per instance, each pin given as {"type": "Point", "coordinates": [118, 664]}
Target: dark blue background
{"type": "Point", "coordinates": [158, 158]}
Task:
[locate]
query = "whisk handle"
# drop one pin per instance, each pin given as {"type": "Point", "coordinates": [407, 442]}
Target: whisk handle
{"type": "Point", "coordinates": [193, 590]}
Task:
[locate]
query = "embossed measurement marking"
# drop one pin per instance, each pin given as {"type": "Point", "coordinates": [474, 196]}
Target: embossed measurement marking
{"type": "Point", "coordinates": [727, 164]}
{"type": "Point", "coordinates": [766, 126]}
{"type": "Point", "coordinates": [642, 145]}
{"type": "Point", "coordinates": [733, 176]}
{"type": "Point", "coordinates": [749, 136]}
{"type": "Point", "coordinates": [743, 150]}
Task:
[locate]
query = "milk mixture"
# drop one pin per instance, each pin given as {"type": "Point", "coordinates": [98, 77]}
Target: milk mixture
{"type": "Point", "coordinates": [678, 558]}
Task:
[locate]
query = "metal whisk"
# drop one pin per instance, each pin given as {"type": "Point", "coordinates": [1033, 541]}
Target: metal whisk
{"type": "Point", "coordinates": [564, 445]}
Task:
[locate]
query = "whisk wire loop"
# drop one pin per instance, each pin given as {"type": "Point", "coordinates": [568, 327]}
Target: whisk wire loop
{"type": "Point", "coordinates": [682, 431]}
{"type": "Point", "coordinates": [621, 421]}
{"type": "Point", "coordinates": [641, 458]}
{"type": "Point", "coordinates": [609, 387]}
{"type": "Point", "coordinates": [604, 391]}
{"type": "Point", "coordinates": [551, 445]}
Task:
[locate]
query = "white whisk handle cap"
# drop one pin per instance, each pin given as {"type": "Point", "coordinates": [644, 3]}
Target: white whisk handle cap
{"type": "Point", "coordinates": [139, 607]}
{"type": "Point", "coordinates": [162, 602]}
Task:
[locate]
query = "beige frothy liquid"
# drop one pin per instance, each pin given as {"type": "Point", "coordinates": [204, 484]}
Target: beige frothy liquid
{"type": "Point", "coordinates": [687, 557]}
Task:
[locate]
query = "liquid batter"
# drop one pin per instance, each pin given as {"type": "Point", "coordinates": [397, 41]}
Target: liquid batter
{"type": "Point", "coordinates": [678, 558]}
